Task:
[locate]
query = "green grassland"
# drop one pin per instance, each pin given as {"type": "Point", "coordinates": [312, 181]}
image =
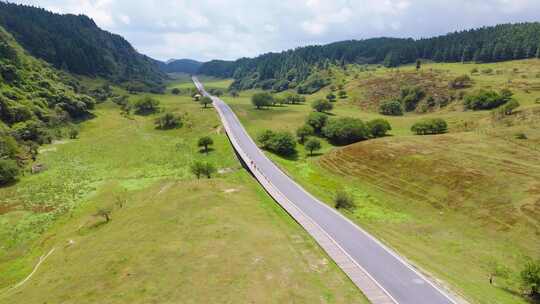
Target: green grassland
{"type": "Point", "coordinates": [171, 239]}
{"type": "Point", "coordinates": [460, 205]}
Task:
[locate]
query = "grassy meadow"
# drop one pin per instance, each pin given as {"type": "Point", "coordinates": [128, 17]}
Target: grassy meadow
{"type": "Point", "coordinates": [171, 238]}
{"type": "Point", "coordinates": [460, 206]}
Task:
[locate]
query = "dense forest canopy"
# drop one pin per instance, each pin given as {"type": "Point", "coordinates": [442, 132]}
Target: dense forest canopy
{"type": "Point", "coordinates": [291, 68]}
{"type": "Point", "coordinates": [37, 103]}
{"type": "Point", "coordinates": [75, 44]}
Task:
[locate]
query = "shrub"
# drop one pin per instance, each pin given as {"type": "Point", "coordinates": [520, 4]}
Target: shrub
{"type": "Point", "coordinates": [342, 94]}
{"type": "Point", "coordinates": [8, 171]}
{"type": "Point", "coordinates": [460, 82]}
{"type": "Point", "coordinates": [343, 200]}
{"type": "Point", "coordinates": [530, 277]}
{"type": "Point", "coordinates": [346, 130]}
{"type": "Point", "coordinates": [281, 143]}
{"type": "Point", "coordinates": [303, 132]}
{"type": "Point", "coordinates": [199, 169]}
{"type": "Point", "coordinates": [73, 133]}
{"type": "Point", "coordinates": [391, 107]}
{"type": "Point", "coordinates": [8, 147]}
{"type": "Point", "coordinates": [295, 99]}
{"type": "Point", "coordinates": [168, 121]}
{"type": "Point", "coordinates": [146, 105]}
{"type": "Point", "coordinates": [175, 91]}
{"type": "Point", "coordinates": [378, 127]}
{"type": "Point", "coordinates": [485, 100]}
{"type": "Point", "coordinates": [410, 97]}
{"type": "Point", "coordinates": [317, 121]}
{"type": "Point", "coordinates": [321, 105]}
{"type": "Point", "coordinates": [331, 97]}
{"type": "Point", "coordinates": [261, 100]}
{"type": "Point", "coordinates": [312, 145]}
{"type": "Point", "coordinates": [430, 126]}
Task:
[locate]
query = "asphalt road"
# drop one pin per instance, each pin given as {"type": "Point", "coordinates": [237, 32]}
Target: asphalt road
{"type": "Point", "coordinates": [399, 279]}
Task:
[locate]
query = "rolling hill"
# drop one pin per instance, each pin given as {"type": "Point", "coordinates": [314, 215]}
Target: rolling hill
{"type": "Point", "coordinates": [76, 44]}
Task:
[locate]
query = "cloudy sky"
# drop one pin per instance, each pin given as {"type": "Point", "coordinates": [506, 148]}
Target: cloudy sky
{"type": "Point", "coordinates": [229, 29]}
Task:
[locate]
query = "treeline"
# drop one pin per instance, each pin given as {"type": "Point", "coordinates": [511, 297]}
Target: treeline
{"type": "Point", "coordinates": [75, 44]}
{"type": "Point", "coordinates": [37, 105]}
{"type": "Point", "coordinates": [290, 69]}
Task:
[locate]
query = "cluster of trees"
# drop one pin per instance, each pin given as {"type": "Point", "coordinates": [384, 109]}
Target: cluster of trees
{"type": "Point", "coordinates": [76, 44]}
{"type": "Point", "coordinates": [487, 99]}
{"type": "Point", "coordinates": [265, 99]}
{"type": "Point", "coordinates": [168, 121]}
{"type": "Point", "coordinates": [281, 143]}
{"type": "Point", "coordinates": [430, 126]}
{"type": "Point", "coordinates": [37, 105]}
{"type": "Point", "coordinates": [298, 68]}
{"type": "Point", "coordinates": [408, 100]}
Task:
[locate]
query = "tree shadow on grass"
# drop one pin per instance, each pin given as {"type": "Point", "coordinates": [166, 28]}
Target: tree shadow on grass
{"type": "Point", "coordinates": [202, 151]}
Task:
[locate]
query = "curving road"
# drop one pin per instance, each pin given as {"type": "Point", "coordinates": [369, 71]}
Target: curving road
{"type": "Point", "coordinates": [399, 282]}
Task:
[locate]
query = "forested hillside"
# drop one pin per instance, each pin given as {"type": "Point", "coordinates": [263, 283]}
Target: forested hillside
{"type": "Point", "coordinates": [37, 105]}
{"type": "Point", "coordinates": [187, 66]}
{"type": "Point", "coordinates": [293, 68]}
{"type": "Point", "coordinates": [75, 44]}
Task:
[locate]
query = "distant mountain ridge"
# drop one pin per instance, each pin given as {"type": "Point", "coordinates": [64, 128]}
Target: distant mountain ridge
{"type": "Point", "coordinates": [76, 44]}
{"type": "Point", "coordinates": [292, 68]}
{"type": "Point", "coordinates": [187, 66]}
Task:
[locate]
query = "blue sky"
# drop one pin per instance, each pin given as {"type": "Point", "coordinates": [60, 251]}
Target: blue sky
{"type": "Point", "coordinates": [214, 29]}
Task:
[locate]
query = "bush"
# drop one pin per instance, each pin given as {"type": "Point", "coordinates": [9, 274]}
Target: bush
{"type": "Point", "coordinates": [530, 277]}
{"type": "Point", "coordinates": [281, 143]}
{"type": "Point", "coordinates": [312, 145]}
{"type": "Point", "coordinates": [410, 97]}
{"type": "Point", "coordinates": [346, 130]}
{"type": "Point", "coordinates": [343, 200]}
{"type": "Point", "coordinates": [378, 127]}
{"type": "Point", "coordinates": [430, 126]}
{"type": "Point", "coordinates": [8, 171]}
{"type": "Point", "coordinates": [295, 99]}
{"type": "Point", "coordinates": [146, 105]}
{"type": "Point", "coordinates": [199, 169]}
{"type": "Point", "coordinates": [486, 100]}
{"type": "Point", "coordinates": [8, 147]}
{"type": "Point", "coordinates": [317, 121]}
{"type": "Point", "coordinates": [168, 121]}
{"type": "Point", "coordinates": [460, 82]}
{"type": "Point", "coordinates": [391, 107]}
{"type": "Point", "coordinates": [175, 91]}
{"type": "Point", "coordinates": [261, 100]}
{"type": "Point", "coordinates": [321, 105]}
{"type": "Point", "coordinates": [342, 94]}
{"type": "Point", "coordinates": [331, 97]}
{"type": "Point", "coordinates": [303, 132]}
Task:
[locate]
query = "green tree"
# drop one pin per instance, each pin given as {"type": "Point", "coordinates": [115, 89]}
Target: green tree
{"type": "Point", "coordinates": [312, 145]}
{"type": "Point", "coordinates": [378, 127]}
{"type": "Point", "coordinates": [317, 121]}
{"type": "Point", "coordinates": [205, 101]}
{"type": "Point", "coordinates": [175, 91]}
{"type": "Point", "coordinates": [343, 200]}
{"type": "Point", "coordinates": [342, 94]}
{"type": "Point", "coordinates": [538, 53]}
{"type": "Point", "coordinates": [197, 168]}
{"type": "Point", "coordinates": [303, 132]}
{"type": "Point", "coordinates": [146, 105]}
{"type": "Point", "coordinates": [321, 105]}
{"type": "Point", "coordinates": [8, 147]}
{"type": "Point", "coordinates": [345, 130]}
{"type": "Point", "coordinates": [261, 100]}
{"type": "Point", "coordinates": [168, 121]}
{"type": "Point", "coordinates": [530, 277]}
{"type": "Point", "coordinates": [418, 64]}
{"type": "Point", "coordinates": [391, 107]}
{"type": "Point", "coordinates": [73, 133]}
{"type": "Point", "coordinates": [208, 169]}
{"type": "Point", "coordinates": [281, 143]}
{"type": "Point", "coordinates": [8, 171]}
{"type": "Point", "coordinates": [205, 142]}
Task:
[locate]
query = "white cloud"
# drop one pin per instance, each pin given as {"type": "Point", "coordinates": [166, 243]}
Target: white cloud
{"type": "Point", "coordinates": [208, 29]}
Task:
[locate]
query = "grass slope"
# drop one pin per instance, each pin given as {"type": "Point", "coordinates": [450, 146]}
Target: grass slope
{"type": "Point", "coordinates": [171, 238]}
{"type": "Point", "coordinates": [458, 205]}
